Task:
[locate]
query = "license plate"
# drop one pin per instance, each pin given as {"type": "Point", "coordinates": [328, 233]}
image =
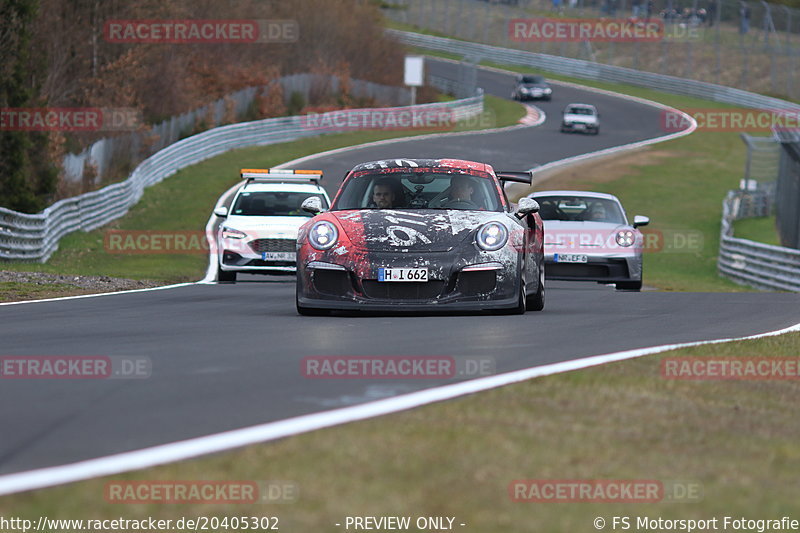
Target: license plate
{"type": "Point", "coordinates": [570, 258]}
{"type": "Point", "coordinates": [579, 126]}
{"type": "Point", "coordinates": [278, 256]}
{"type": "Point", "coordinates": [402, 274]}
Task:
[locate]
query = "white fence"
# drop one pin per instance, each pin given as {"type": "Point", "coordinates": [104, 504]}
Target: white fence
{"type": "Point", "coordinates": [35, 237]}
{"type": "Point", "coordinates": [753, 263]}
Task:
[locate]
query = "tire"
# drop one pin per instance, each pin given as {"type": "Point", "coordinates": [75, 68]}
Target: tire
{"type": "Point", "coordinates": [536, 301]}
{"type": "Point", "coordinates": [634, 286]}
{"type": "Point", "coordinates": [596, 131]}
{"type": "Point", "coordinates": [225, 276]}
{"type": "Point", "coordinates": [521, 301]}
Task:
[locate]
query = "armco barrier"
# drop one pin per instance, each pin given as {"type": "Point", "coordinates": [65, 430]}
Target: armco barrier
{"type": "Point", "coordinates": [753, 263]}
{"type": "Point", "coordinates": [35, 237]}
{"type": "Point", "coordinates": [587, 70]}
{"type": "Point", "coordinates": [760, 265]}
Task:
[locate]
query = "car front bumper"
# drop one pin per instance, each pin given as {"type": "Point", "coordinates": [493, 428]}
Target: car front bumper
{"type": "Point", "coordinates": [602, 269]}
{"type": "Point", "coordinates": [257, 256]}
{"type": "Point", "coordinates": [477, 283]}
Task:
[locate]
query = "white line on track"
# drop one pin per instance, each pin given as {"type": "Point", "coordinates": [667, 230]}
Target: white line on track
{"type": "Point", "coordinates": [187, 449]}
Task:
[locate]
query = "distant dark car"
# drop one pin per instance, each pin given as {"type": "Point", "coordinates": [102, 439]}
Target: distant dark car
{"type": "Point", "coordinates": [422, 234]}
{"type": "Point", "coordinates": [531, 87]}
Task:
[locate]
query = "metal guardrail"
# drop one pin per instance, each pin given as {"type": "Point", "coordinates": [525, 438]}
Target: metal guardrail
{"type": "Point", "coordinates": [587, 70]}
{"type": "Point", "coordinates": [35, 237]}
{"type": "Point", "coordinates": [753, 263]}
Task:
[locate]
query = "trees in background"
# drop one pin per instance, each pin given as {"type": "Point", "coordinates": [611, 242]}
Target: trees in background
{"type": "Point", "coordinates": [53, 53]}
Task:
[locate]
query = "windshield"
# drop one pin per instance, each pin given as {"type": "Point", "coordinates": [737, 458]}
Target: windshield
{"type": "Point", "coordinates": [273, 204]}
{"type": "Point", "coordinates": [532, 79]}
{"type": "Point", "coordinates": [580, 209]}
{"type": "Point", "coordinates": [419, 189]}
{"type": "Point", "coordinates": [580, 111]}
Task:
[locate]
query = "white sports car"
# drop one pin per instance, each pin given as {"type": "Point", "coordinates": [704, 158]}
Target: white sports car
{"type": "Point", "coordinates": [580, 117]}
{"type": "Point", "coordinates": [588, 238]}
{"type": "Point", "coordinates": [259, 232]}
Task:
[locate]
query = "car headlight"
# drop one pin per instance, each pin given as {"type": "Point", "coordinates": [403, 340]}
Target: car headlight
{"type": "Point", "coordinates": [230, 233]}
{"type": "Point", "coordinates": [548, 90]}
{"type": "Point", "coordinates": [492, 236]}
{"type": "Point", "coordinates": [323, 235]}
{"type": "Point", "coordinates": [626, 238]}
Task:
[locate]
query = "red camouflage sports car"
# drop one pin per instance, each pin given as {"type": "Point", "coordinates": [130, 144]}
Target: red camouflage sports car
{"type": "Point", "coordinates": [422, 234]}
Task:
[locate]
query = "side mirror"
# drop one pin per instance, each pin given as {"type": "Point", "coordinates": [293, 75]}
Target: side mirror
{"type": "Point", "coordinates": [221, 212]}
{"type": "Point", "coordinates": [312, 205]}
{"type": "Point", "coordinates": [640, 220]}
{"type": "Point", "coordinates": [526, 206]}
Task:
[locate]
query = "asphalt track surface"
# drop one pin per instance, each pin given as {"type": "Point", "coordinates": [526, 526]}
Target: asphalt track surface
{"type": "Point", "coordinates": [229, 356]}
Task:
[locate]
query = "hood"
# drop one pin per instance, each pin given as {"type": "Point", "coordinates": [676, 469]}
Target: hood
{"type": "Point", "coordinates": [535, 86]}
{"type": "Point", "coordinates": [424, 230]}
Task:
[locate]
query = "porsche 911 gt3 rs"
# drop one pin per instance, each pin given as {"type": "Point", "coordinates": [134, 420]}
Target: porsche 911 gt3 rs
{"type": "Point", "coordinates": [589, 238]}
{"type": "Point", "coordinates": [422, 234]}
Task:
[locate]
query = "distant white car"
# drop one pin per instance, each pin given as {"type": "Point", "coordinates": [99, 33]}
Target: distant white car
{"type": "Point", "coordinates": [580, 117]}
{"type": "Point", "coordinates": [587, 237]}
{"type": "Point", "coordinates": [259, 232]}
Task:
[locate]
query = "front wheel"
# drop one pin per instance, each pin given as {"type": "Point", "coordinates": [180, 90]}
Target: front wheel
{"type": "Point", "coordinates": [226, 276]}
{"type": "Point", "coordinates": [536, 301]}
{"type": "Point", "coordinates": [629, 286]}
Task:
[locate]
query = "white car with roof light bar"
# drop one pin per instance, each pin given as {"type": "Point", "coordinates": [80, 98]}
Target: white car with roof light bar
{"type": "Point", "coordinates": [588, 238]}
{"type": "Point", "coordinates": [582, 118]}
{"type": "Point", "coordinates": [259, 232]}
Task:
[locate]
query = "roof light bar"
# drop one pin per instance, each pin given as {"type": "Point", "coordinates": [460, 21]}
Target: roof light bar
{"type": "Point", "coordinates": [280, 174]}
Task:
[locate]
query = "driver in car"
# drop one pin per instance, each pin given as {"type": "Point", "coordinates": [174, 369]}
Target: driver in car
{"type": "Point", "coordinates": [383, 194]}
{"type": "Point", "coordinates": [461, 189]}
{"type": "Point", "coordinates": [598, 213]}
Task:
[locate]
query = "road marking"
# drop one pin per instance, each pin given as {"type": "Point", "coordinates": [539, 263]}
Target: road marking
{"type": "Point", "coordinates": [228, 440]}
{"type": "Point", "coordinates": [174, 286]}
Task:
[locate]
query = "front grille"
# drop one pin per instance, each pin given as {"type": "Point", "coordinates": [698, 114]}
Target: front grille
{"type": "Point", "coordinates": [476, 282]}
{"type": "Point", "coordinates": [387, 290]}
{"type": "Point", "coordinates": [262, 263]}
{"type": "Point", "coordinates": [336, 282]}
{"type": "Point", "coordinates": [613, 269]}
{"type": "Point", "coordinates": [273, 245]}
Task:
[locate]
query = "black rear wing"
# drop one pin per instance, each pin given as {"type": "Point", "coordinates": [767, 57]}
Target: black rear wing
{"type": "Point", "coordinates": [525, 176]}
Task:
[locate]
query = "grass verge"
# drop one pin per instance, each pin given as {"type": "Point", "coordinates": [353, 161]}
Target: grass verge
{"type": "Point", "coordinates": [760, 229]}
{"type": "Point", "coordinates": [737, 441]}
